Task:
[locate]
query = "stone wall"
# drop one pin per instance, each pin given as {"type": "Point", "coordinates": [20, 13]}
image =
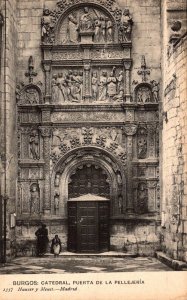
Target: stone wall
{"type": "Point", "coordinates": [174, 144]}
{"type": "Point", "coordinates": [8, 116]}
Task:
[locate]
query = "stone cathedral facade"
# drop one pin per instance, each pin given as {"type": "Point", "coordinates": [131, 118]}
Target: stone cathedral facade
{"type": "Point", "coordinates": [87, 142]}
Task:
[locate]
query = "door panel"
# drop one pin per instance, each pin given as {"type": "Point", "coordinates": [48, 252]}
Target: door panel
{"type": "Point", "coordinates": [104, 237]}
{"type": "Point", "coordinates": [88, 229]}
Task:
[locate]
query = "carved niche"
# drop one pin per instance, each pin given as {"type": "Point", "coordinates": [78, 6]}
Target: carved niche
{"type": "Point", "coordinates": [28, 94]}
{"type": "Point", "coordinates": [34, 199]}
{"type": "Point", "coordinates": [147, 92]}
{"type": "Point", "coordinates": [142, 142]}
{"type": "Point", "coordinates": [141, 206]}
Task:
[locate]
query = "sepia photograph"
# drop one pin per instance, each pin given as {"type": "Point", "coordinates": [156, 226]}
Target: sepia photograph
{"type": "Point", "coordinates": [93, 149]}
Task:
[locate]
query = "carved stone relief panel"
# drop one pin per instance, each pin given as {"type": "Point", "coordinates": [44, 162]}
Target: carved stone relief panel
{"type": "Point", "coordinates": [110, 139]}
{"type": "Point", "coordinates": [89, 116]}
{"type": "Point", "coordinates": [144, 95]}
{"type": "Point", "coordinates": [68, 54]}
{"type": "Point", "coordinates": [99, 21]}
{"type": "Point", "coordinates": [67, 86]}
{"type": "Point", "coordinates": [79, 86]}
{"type": "Point", "coordinates": [29, 117]}
{"type": "Point", "coordinates": [86, 20]}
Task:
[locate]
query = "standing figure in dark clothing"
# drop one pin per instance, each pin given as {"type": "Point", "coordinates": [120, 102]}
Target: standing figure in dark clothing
{"type": "Point", "coordinates": [42, 239]}
{"type": "Point", "coordinates": [56, 246]}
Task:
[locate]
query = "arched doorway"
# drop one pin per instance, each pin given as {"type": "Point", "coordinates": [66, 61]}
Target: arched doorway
{"type": "Point", "coordinates": [88, 210]}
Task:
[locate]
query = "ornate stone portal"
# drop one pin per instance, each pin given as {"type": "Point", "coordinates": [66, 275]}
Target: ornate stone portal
{"type": "Point", "coordinates": [87, 115]}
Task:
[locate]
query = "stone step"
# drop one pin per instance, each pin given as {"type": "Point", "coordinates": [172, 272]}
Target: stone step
{"type": "Point", "coordinates": [103, 254]}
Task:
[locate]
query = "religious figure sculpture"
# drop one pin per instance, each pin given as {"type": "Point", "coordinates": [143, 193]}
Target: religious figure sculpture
{"type": "Point", "coordinates": [54, 89]}
{"type": "Point", "coordinates": [56, 201]}
{"type": "Point", "coordinates": [34, 144]}
{"type": "Point", "coordinates": [86, 21]}
{"type": "Point", "coordinates": [112, 84]}
{"type": "Point", "coordinates": [34, 199]}
{"type": "Point", "coordinates": [62, 93]}
{"type": "Point", "coordinates": [120, 80]}
{"type": "Point", "coordinates": [142, 147]}
{"type": "Point", "coordinates": [97, 26]}
{"type": "Point", "coordinates": [142, 205]}
{"type": "Point", "coordinates": [47, 26]}
{"type": "Point", "coordinates": [72, 29]}
{"type": "Point", "coordinates": [125, 27]}
{"type": "Point", "coordinates": [94, 86]}
{"type": "Point", "coordinates": [109, 30]}
{"type": "Point", "coordinates": [103, 86]}
{"type": "Point", "coordinates": [120, 96]}
{"type": "Point", "coordinates": [57, 180]}
{"type": "Point", "coordinates": [103, 30]}
{"type": "Point", "coordinates": [155, 90]}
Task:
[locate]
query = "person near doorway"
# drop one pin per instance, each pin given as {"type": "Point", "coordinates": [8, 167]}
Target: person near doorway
{"type": "Point", "coordinates": [56, 246]}
{"type": "Point", "coordinates": [42, 240]}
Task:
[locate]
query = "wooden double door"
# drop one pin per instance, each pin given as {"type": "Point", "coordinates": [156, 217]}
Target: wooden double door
{"type": "Point", "coordinates": [88, 226]}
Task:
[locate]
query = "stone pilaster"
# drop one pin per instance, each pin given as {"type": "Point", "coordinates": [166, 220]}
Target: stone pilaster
{"type": "Point", "coordinates": [47, 69]}
{"type": "Point", "coordinates": [127, 67]}
{"type": "Point", "coordinates": [130, 130]}
{"type": "Point", "coordinates": [87, 80]}
{"type": "Point", "coordinates": [46, 134]}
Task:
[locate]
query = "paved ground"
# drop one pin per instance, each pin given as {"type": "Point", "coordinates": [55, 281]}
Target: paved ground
{"type": "Point", "coordinates": [60, 265]}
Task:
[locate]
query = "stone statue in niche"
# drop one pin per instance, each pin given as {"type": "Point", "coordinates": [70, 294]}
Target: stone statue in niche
{"type": "Point", "coordinates": [94, 86]}
{"type": "Point", "coordinates": [112, 84]}
{"type": "Point", "coordinates": [56, 201]}
{"type": "Point", "coordinates": [142, 195]}
{"type": "Point", "coordinates": [120, 204]}
{"type": "Point", "coordinates": [47, 27]}
{"type": "Point", "coordinates": [54, 89]}
{"type": "Point", "coordinates": [57, 180]}
{"type": "Point", "coordinates": [34, 144]}
{"type": "Point", "coordinates": [125, 26]}
{"type": "Point", "coordinates": [34, 199]}
{"type": "Point", "coordinates": [144, 95]}
{"type": "Point", "coordinates": [119, 179]}
{"type": "Point", "coordinates": [155, 90]}
{"type": "Point", "coordinates": [142, 143]}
